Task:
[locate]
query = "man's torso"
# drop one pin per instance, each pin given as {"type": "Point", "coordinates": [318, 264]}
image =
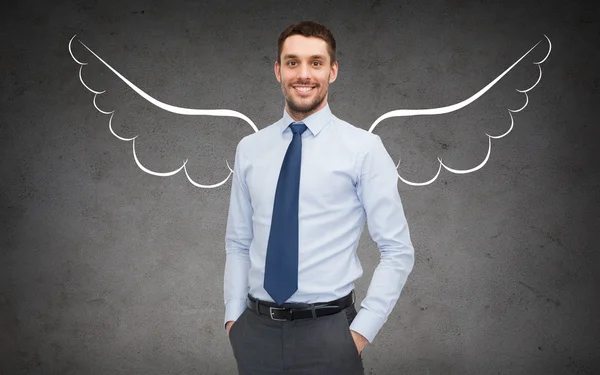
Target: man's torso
{"type": "Point", "coordinates": [331, 216]}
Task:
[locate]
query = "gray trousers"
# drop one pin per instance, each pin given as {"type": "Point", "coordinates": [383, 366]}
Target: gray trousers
{"type": "Point", "coordinates": [321, 346]}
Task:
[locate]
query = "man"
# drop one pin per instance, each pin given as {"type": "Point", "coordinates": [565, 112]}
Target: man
{"type": "Point", "coordinates": [302, 190]}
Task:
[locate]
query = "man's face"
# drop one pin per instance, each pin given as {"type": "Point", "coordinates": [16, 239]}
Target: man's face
{"type": "Point", "coordinates": [305, 73]}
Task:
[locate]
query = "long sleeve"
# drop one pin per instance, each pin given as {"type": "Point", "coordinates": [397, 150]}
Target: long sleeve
{"type": "Point", "coordinates": [377, 190]}
{"type": "Point", "coordinates": [238, 238]}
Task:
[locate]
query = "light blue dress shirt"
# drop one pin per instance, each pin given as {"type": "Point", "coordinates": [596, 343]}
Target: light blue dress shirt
{"type": "Point", "coordinates": [347, 178]}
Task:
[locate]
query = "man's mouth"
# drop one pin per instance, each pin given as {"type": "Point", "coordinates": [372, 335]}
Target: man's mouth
{"type": "Point", "coordinates": [303, 90]}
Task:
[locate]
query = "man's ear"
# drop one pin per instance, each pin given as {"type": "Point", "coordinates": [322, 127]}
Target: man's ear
{"type": "Point", "coordinates": [334, 72]}
{"type": "Point", "coordinates": [277, 69]}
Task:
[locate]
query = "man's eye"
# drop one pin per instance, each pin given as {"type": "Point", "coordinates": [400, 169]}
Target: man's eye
{"type": "Point", "coordinates": [291, 63]}
{"type": "Point", "coordinates": [316, 63]}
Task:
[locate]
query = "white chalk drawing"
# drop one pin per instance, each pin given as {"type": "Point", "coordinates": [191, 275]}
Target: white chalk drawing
{"type": "Point", "coordinates": [231, 113]}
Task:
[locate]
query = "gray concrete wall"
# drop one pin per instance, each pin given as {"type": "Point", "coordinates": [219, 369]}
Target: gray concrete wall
{"type": "Point", "coordinates": [105, 269]}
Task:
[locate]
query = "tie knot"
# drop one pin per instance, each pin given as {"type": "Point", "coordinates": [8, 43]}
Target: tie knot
{"type": "Point", "coordinates": [297, 127]}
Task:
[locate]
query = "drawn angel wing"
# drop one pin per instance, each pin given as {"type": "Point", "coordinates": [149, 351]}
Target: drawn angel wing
{"type": "Point", "coordinates": [166, 107]}
{"type": "Point", "coordinates": [462, 104]}
{"type": "Point", "coordinates": [231, 113]}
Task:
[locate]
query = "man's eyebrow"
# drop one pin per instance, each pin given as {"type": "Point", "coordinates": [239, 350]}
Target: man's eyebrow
{"type": "Point", "coordinates": [292, 56]}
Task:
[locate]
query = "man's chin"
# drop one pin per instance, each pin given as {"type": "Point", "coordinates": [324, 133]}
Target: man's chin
{"type": "Point", "coordinates": [304, 108]}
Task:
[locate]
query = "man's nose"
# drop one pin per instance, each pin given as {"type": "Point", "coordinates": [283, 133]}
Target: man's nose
{"type": "Point", "coordinates": [304, 71]}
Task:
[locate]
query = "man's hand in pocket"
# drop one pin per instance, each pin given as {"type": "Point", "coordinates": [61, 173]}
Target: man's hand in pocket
{"type": "Point", "coordinates": [228, 326]}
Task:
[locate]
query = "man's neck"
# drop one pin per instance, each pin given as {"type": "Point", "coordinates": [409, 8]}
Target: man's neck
{"type": "Point", "coordinates": [299, 116]}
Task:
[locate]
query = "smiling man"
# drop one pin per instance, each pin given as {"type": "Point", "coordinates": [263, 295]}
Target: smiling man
{"type": "Point", "coordinates": [302, 191]}
{"type": "Point", "coordinates": [305, 69]}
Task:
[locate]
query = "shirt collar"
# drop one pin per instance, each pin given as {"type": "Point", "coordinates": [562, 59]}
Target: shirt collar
{"type": "Point", "coordinates": [315, 122]}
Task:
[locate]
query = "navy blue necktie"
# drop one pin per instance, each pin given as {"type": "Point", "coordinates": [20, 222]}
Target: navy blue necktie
{"type": "Point", "coordinates": [281, 267]}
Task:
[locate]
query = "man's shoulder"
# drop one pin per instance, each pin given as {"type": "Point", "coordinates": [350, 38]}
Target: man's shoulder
{"type": "Point", "coordinates": [258, 139]}
{"type": "Point", "coordinates": [354, 134]}
{"type": "Point", "coordinates": [353, 129]}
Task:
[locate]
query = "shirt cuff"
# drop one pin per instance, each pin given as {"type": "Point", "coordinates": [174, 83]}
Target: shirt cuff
{"type": "Point", "coordinates": [367, 324]}
{"type": "Point", "coordinates": [233, 309]}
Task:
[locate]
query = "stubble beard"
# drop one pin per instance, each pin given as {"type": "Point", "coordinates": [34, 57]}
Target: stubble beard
{"type": "Point", "coordinates": [305, 109]}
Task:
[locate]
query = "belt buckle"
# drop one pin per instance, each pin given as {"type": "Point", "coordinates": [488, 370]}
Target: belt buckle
{"type": "Point", "coordinates": [271, 313]}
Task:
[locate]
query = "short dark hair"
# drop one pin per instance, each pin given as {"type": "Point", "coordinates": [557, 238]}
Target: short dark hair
{"type": "Point", "coordinates": [308, 29]}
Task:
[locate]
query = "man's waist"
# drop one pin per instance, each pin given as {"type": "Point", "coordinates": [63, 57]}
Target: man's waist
{"type": "Point", "coordinates": [304, 295]}
{"type": "Point", "coordinates": [297, 310]}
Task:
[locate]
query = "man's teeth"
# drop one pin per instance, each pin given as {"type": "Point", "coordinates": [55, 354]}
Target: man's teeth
{"type": "Point", "coordinates": [304, 89]}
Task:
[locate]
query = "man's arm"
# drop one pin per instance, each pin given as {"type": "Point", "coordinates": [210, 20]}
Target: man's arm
{"type": "Point", "coordinates": [238, 238]}
{"type": "Point", "coordinates": [378, 191]}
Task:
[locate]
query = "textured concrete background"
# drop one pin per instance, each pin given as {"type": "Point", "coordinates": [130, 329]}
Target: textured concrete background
{"type": "Point", "coordinates": [105, 269]}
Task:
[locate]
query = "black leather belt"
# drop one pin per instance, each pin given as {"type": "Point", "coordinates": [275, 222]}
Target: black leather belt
{"type": "Point", "coordinates": [293, 311]}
